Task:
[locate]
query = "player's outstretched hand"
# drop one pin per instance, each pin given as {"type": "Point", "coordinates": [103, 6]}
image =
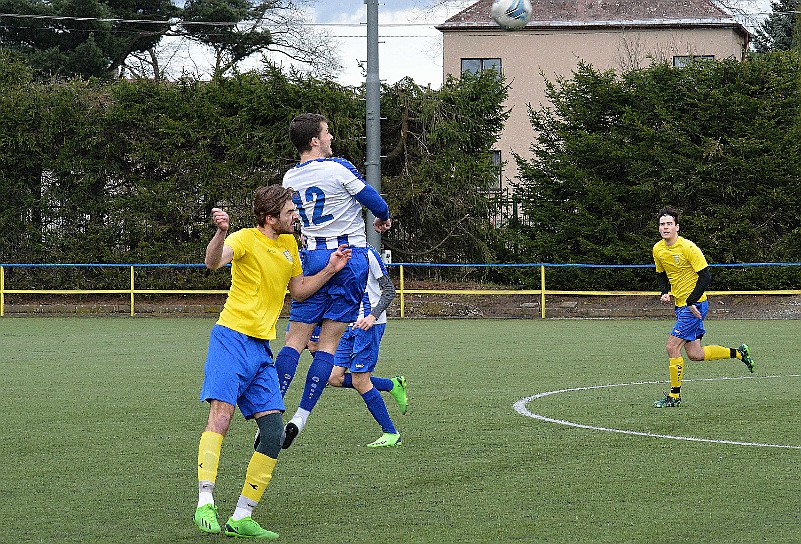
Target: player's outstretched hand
{"type": "Point", "coordinates": [382, 226]}
{"type": "Point", "coordinates": [220, 219]}
{"type": "Point", "coordinates": [340, 257]}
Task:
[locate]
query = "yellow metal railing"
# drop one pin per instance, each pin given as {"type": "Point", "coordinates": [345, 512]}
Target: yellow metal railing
{"type": "Point", "coordinates": [542, 292]}
{"type": "Point", "coordinates": [132, 291]}
{"type": "Point", "coordinates": [402, 291]}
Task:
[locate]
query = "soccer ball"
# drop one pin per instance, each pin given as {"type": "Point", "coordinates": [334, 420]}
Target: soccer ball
{"type": "Point", "coordinates": [511, 14]}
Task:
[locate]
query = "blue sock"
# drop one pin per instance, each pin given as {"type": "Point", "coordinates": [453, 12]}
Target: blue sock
{"type": "Point", "coordinates": [316, 379]}
{"type": "Point", "coordinates": [382, 384]}
{"type": "Point", "coordinates": [286, 364]}
{"type": "Point", "coordinates": [378, 409]}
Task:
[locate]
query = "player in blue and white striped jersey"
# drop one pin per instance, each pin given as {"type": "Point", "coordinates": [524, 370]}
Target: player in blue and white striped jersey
{"type": "Point", "coordinates": [358, 353]}
{"type": "Point", "coordinates": [329, 199]}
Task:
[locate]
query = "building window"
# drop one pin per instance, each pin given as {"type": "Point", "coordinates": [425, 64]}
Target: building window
{"type": "Point", "coordinates": [682, 61]}
{"type": "Point", "coordinates": [497, 182]}
{"type": "Point", "coordinates": [475, 66]}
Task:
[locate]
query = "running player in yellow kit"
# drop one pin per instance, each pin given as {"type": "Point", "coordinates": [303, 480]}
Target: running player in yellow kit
{"type": "Point", "coordinates": [682, 271]}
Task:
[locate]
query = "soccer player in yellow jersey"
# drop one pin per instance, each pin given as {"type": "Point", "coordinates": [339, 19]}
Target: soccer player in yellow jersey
{"type": "Point", "coordinates": [239, 369]}
{"type": "Point", "coordinates": [683, 272]}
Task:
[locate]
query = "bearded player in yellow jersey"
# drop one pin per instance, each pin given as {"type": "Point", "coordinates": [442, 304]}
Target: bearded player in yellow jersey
{"type": "Point", "coordinates": [240, 370]}
{"type": "Point", "coordinates": [682, 271]}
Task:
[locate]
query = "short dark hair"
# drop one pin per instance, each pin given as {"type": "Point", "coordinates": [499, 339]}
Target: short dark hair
{"type": "Point", "coordinates": [667, 210]}
{"type": "Point", "coordinates": [268, 201]}
{"type": "Point", "coordinates": [303, 128]}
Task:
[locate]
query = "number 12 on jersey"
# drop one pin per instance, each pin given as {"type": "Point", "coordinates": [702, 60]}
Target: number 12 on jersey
{"type": "Point", "coordinates": [316, 195]}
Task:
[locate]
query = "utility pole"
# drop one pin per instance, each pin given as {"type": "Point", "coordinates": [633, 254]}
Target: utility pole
{"type": "Point", "coordinates": [373, 119]}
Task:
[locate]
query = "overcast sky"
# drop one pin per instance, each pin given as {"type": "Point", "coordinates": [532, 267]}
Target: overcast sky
{"type": "Point", "coordinates": [408, 43]}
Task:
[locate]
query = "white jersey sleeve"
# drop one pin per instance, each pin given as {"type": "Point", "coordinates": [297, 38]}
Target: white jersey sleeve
{"type": "Point", "coordinates": [329, 213]}
{"type": "Point", "coordinates": [372, 293]}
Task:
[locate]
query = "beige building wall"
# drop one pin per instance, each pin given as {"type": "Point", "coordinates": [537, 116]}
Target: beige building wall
{"type": "Point", "coordinates": [526, 56]}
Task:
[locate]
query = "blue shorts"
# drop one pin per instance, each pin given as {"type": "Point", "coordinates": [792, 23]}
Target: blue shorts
{"type": "Point", "coordinates": [358, 349]}
{"type": "Point", "coordinates": [240, 370]}
{"type": "Point", "coordinates": [687, 326]}
{"type": "Point", "coordinates": [339, 298]}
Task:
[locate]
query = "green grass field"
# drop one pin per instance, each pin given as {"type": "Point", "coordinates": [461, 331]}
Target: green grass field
{"type": "Point", "coordinates": [101, 423]}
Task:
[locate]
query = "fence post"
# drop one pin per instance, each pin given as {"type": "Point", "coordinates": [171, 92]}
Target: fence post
{"type": "Point", "coordinates": [542, 287]}
{"type": "Point", "coordinates": [401, 291]}
{"type": "Point", "coordinates": [2, 290]}
{"type": "Point", "coordinates": [132, 291]}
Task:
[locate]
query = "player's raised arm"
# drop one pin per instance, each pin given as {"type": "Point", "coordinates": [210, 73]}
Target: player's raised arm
{"type": "Point", "coordinates": [217, 253]}
{"type": "Point", "coordinates": [370, 199]}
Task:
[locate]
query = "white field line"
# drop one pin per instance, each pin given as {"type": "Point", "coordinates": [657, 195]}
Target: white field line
{"type": "Point", "coordinates": [521, 408]}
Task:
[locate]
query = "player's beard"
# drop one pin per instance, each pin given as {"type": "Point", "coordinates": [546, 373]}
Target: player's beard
{"type": "Point", "coordinates": [287, 227]}
{"type": "Point", "coordinates": [326, 151]}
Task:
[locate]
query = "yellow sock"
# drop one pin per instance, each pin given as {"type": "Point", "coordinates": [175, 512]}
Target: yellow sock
{"type": "Point", "coordinates": [713, 353]}
{"type": "Point", "coordinates": [676, 369]}
{"type": "Point", "coordinates": [258, 476]}
{"type": "Point", "coordinates": [208, 456]}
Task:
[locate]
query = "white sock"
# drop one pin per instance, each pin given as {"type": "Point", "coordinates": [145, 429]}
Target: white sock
{"type": "Point", "coordinates": [244, 508]}
{"type": "Point", "coordinates": [300, 417]}
{"type": "Point", "coordinates": [205, 490]}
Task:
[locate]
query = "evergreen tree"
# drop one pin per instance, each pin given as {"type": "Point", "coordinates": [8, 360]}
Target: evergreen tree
{"type": "Point", "coordinates": [438, 167]}
{"type": "Point", "coordinates": [98, 38]}
{"type": "Point", "coordinates": [780, 31]}
{"type": "Point", "coordinates": [128, 171]}
{"type": "Point", "coordinates": [718, 140]}
{"type": "Point", "coordinates": [86, 38]}
{"type": "Point", "coordinates": [230, 44]}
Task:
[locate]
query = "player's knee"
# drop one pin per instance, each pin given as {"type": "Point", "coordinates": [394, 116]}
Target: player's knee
{"type": "Point", "coordinates": [361, 381]}
{"type": "Point", "coordinates": [271, 431]}
{"type": "Point", "coordinates": [219, 419]}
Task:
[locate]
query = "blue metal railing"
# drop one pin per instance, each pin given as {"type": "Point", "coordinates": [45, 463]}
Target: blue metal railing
{"type": "Point", "coordinates": [132, 291]}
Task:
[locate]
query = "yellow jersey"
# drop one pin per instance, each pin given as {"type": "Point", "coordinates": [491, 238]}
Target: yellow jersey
{"type": "Point", "coordinates": [260, 272]}
{"type": "Point", "coordinates": [681, 262]}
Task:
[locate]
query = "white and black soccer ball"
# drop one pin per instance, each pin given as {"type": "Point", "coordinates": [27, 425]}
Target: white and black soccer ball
{"type": "Point", "coordinates": [511, 14]}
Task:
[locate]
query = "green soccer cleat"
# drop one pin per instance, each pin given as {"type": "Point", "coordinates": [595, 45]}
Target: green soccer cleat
{"type": "Point", "coordinates": [206, 519]}
{"type": "Point", "coordinates": [247, 528]}
{"type": "Point", "coordinates": [398, 392]}
{"type": "Point", "coordinates": [667, 402]}
{"type": "Point", "coordinates": [387, 440]}
{"type": "Point", "coordinates": [746, 354]}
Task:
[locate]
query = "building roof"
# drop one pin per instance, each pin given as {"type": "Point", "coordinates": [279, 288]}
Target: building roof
{"type": "Point", "coordinates": [595, 13]}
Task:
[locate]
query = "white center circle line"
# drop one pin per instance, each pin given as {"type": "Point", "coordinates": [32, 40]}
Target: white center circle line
{"type": "Point", "coordinates": [521, 408]}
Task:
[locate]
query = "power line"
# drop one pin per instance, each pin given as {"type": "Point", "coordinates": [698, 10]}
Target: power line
{"type": "Point", "coordinates": [105, 20]}
{"type": "Point", "coordinates": [178, 34]}
{"type": "Point", "coordinates": [176, 21]}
